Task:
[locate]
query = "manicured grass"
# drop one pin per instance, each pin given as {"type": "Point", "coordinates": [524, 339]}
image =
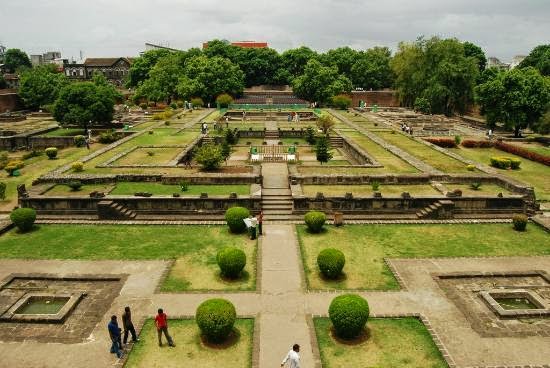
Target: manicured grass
{"type": "Point", "coordinates": [391, 343]}
{"type": "Point", "coordinates": [530, 172]}
{"type": "Point", "coordinates": [149, 156]}
{"type": "Point", "coordinates": [85, 190]}
{"type": "Point", "coordinates": [484, 190]}
{"type": "Point", "coordinates": [534, 147]}
{"type": "Point", "coordinates": [190, 351]}
{"type": "Point", "coordinates": [391, 162]}
{"type": "Point", "coordinates": [425, 153]}
{"type": "Point", "coordinates": [64, 132]}
{"type": "Point", "coordinates": [366, 190]}
{"type": "Point", "coordinates": [129, 188]}
{"type": "Point", "coordinates": [194, 247]}
{"type": "Point", "coordinates": [366, 246]}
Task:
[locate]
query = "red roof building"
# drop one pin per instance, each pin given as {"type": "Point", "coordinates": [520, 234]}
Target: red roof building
{"type": "Point", "coordinates": [244, 44]}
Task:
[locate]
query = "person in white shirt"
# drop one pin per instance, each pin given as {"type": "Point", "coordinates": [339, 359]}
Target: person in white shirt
{"type": "Point", "coordinates": [293, 357]}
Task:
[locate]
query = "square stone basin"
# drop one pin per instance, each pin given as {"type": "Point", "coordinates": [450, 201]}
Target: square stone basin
{"type": "Point", "coordinates": [42, 308]}
{"type": "Point", "coordinates": [517, 303]}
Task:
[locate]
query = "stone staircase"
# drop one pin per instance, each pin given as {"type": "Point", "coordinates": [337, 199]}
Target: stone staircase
{"type": "Point", "coordinates": [277, 204]}
{"type": "Point", "coordinates": [271, 135]}
{"type": "Point", "coordinates": [336, 142]}
{"type": "Point", "coordinates": [441, 209]}
{"type": "Point", "coordinates": [109, 210]}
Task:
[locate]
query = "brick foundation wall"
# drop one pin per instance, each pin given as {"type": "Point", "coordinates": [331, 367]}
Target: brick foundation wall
{"type": "Point", "coordinates": [9, 101]}
{"type": "Point", "coordinates": [380, 98]}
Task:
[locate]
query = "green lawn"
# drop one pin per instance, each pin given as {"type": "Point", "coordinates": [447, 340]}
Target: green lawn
{"type": "Point", "coordinates": [129, 188]}
{"type": "Point", "coordinates": [391, 162]}
{"type": "Point", "coordinates": [193, 247]}
{"type": "Point", "coordinates": [366, 246]}
{"type": "Point", "coordinates": [392, 343]}
{"type": "Point", "coordinates": [534, 147]}
{"type": "Point", "coordinates": [484, 190]}
{"type": "Point", "coordinates": [85, 190]}
{"type": "Point", "coordinates": [190, 351]}
{"type": "Point", "coordinates": [366, 190]}
{"type": "Point", "coordinates": [64, 132]}
{"type": "Point", "coordinates": [149, 156]}
{"type": "Point", "coordinates": [424, 152]}
{"type": "Point", "coordinates": [530, 172]}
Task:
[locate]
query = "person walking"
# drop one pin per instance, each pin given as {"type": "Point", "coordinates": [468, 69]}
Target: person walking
{"type": "Point", "coordinates": [128, 325]}
{"type": "Point", "coordinates": [161, 321]}
{"type": "Point", "coordinates": [114, 334]}
{"type": "Point", "coordinates": [293, 357]}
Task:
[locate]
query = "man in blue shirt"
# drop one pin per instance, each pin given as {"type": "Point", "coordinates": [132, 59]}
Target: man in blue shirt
{"type": "Point", "coordinates": [114, 333]}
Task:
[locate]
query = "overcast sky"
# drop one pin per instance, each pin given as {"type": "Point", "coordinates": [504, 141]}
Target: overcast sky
{"type": "Point", "coordinates": [103, 28]}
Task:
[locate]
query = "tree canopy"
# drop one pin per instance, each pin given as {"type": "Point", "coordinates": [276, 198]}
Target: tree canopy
{"type": "Point", "coordinates": [538, 58]}
{"type": "Point", "coordinates": [15, 59]}
{"type": "Point", "coordinates": [372, 70]}
{"type": "Point", "coordinates": [473, 50]}
{"type": "Point", "coordinates": [437, 70]}
{"type": "Point", "coordinates": [518, 98]}
{"type": "Point", "coordinates": [85, 102]}
{"type": "Point", "coordinates": [40, 86]}
{"type": "Point", "coordinates": [320, 83]}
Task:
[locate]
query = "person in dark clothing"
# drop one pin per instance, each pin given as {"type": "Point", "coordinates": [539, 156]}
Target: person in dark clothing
{"type": "Point", "coordinates": [128, 325]}
{"type": "Point", "coordinates": [260, 222]}
{"type": "Point", "coordinates": [114, 334]}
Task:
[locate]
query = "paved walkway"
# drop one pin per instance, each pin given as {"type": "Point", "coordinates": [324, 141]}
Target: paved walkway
{"type": "Point", "coordinates": [275, 175]}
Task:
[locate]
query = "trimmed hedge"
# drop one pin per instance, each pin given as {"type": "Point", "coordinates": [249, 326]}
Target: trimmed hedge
{"type": "Point", "coordinates": [231, 261]}
{"type": "Point", "coordinates": [79, 140]}
{"type": "Point", "coordinates": [215, 318]}
{"type": "Point", "coordinates": [23, 218]}
{"type": "Point", "coordinates": [442, 142]}
{"type": "Point", "coordinates": [525, 153]}
{"type": "Point", "coordinates": [12, 166]}
{"type": "Point", "coordinates": [349, 314]}
{"type": "Point", "coordinates": [315, 220]}
{"type": "Point", "coordinates": [234, 217]}
{"type": "Point", "coordinates": [471, 143]}
{"type": "Point", "coordinates": [331, 261]}
{"type": "Point", "coordinates": [505, 163]}
{"type": "Point", "coordinates": [520, 222]}
{"type": "Point", "coordinates": [51, 152]}
{"type": "Point", "coordinates": [77, 166]}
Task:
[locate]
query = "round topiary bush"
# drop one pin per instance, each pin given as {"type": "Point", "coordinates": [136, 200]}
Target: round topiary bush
{"type": "Point", "coordinates": [215, 318]}
{"type": "Point", "coordinates": [77, 166]}
{"type": "Point", "coordinates": [23, 218]}
{"type": "Point", "coordinates": [51, 152]}
{"type": "Point", "coordinates": [315, 221]}
{"type": "Point", "coordinates": [331, 262]}
{"type": "Point", "coordinates": [79, 140]}
{"type": "Point", "coordinates": [231, 261]}
{"type": "Point", "coordinates": [520, 222]}
{"type": "Point", "coordinates": [234, 218]}
{"type": "Point", "coordinates": [349, 314]}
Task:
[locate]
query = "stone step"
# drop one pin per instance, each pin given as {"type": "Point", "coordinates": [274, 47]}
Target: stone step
{"type": "Point", "coordinates": [276, 198]}
{"type": "Point", "coordinates": [286, 209]}
{"type": "Point", "coordinates": [269, 200]}
{"type": "Point", "coordinates": [276, 192]}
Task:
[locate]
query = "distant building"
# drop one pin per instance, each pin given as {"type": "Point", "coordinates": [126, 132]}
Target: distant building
{"type": "Point", "coordinates": [493, 62]}
{"type": "Point", "coordinates": [244, 44]}
{"type": "Point", "coordinates": [151, 46]}
{"type": "Point", "coordinates": [114, 69]}
{"type": "Point", "coordinates": [49, 57]}
{"type": "Point", "coordinates": [516, 61]}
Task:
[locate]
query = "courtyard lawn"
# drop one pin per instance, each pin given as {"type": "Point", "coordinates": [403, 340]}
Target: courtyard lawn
{"type": "Point", "coordinates": [424, 152]}
{"type": "Point", "coordinates": [85, 190]}
{"type": "Point", "coordinates": [391, 343]}
{"type": "Point", "coordinates": [193, 247]}
{"type": "Point", "coordinates": [530, 172]}
{"type": "Point", "coordinates": [366, 246]}
{"type": "Point", "coordinates": [366, 190]}
{"type": "Point", "coordinates": [64, 132]}
{"type": "Point", "coordinates": [190, 351]}
{"type": "Point", "coordinates": [149, 156]}
{"type": "Point", "coordinates": [534, 147]}
{"type": "Point", "coordinates": [392, 163]}
{"type": "Point", "coordinates": [484, 190]}
{"type": "Point", "coordinates": [129, 188]}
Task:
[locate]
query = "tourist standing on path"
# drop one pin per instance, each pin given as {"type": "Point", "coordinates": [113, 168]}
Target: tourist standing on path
{"type": "Point", "coordinates": [114, 334]}
{"type": "Point", "coordinates": [161, 321]}
{"type": "Point", "coordinates": [293, 357]}
{"type": "Point", "coordinates": [128, 325]}
{"type": "Point", "coordinates": [260, 221]}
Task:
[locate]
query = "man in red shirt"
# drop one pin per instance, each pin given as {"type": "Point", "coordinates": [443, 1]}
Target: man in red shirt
{"type": "Point", "coordinates": [161, 321]}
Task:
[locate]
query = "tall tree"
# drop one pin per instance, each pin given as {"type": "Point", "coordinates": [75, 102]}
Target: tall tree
{"type": "Point", "coordinates": [85, 103]}
{"type": "Point", "coordinates": [260, 65]}
{"type": "Point", "coordinates": [209, 77]}
{"type": "Point", "coordinates": [343, 58]}
{"type": "Point", "coordinates": [518, 98]}
{"type": "Point", "coordinates": [40, 86]}
{"type": "Point", "coordinates": [473, 50]}
{"type": "Point", "coordinates": [295, 60]}
{"type": "Point", "coordinates": [538, 58]}
{"type": "Point", "coordinates": [323, 150]}
{"type": "Point", "coordinates": [319, 83]}
{"type": "Point", "coordinates": [371, 69]}
{"type": "Point", "coordinates": [163, 79]}
{"type": "Point", "coordinates": [15, 59]}
{"type": "Point", "coordinates": [438, 70]}
{"type": "Point", "coordinates": [139, 70]}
